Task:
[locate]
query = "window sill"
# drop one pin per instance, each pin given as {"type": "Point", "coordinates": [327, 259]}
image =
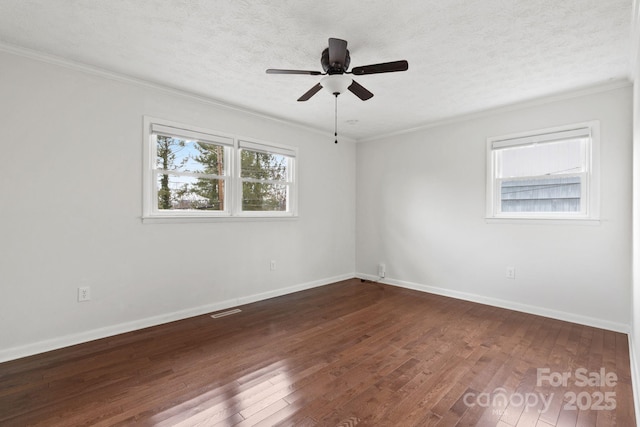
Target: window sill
{"type": "Point", "coordinates": [544, 221]}
{"type": "Point", "coordinates": [209, 219]}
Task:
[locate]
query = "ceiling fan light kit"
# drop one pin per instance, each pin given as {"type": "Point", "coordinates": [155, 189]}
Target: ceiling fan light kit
{"type": "Point", "coordinates": [336, 84]}
{"type": "Point", "coordinates": [335, 62]}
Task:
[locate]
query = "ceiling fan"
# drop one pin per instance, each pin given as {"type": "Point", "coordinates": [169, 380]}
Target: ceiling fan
{"type": "Point", "coordinates": [335, 62]}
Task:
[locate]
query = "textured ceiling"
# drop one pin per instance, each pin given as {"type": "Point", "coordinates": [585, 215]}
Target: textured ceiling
{"type": "Point", "coordinates": [464, 56]}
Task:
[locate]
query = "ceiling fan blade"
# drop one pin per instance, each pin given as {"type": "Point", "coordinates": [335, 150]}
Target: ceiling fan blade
{"type": "Point", "coordinates": [358, 90]}
{"type": "Point", "coordinates": [337, 52]}
{"type": "Point", "coordinates": [277, 71]}
{"type": "Point", "coordinates": [386, 67]}
{"type": "Point", "coordinates": [310, 92]}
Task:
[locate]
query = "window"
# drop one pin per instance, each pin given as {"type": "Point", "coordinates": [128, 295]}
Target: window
{"type": "Point", "coordinates": [191, 171]}
{"type": "Point", "coordinates": [196, 173]}
{"type": "Point", "coordinates": [266, 174]}
{"type": "Point", "coordinates": [546, 174]}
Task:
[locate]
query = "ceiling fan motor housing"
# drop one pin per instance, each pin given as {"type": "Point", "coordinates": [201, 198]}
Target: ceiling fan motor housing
{"type": "Point", "coordinates": [336, 68]}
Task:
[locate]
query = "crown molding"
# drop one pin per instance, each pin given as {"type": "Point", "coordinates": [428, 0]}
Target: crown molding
{"type": "Point", "coordinates": [124, 78]}
{"type": "Point", "coordinates": [136, 81]}
{"type": "Point", "coordinates": [576, 93]}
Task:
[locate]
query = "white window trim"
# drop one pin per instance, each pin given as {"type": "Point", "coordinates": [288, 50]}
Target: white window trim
{"type": "Point", "coordinates": [590, 215]}
{"type": "Point", "coordinates": [233, 197]}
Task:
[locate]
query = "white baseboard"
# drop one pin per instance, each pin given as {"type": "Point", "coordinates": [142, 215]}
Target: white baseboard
{"type": "Point", "coordinates": [511, 305]}
{"type": "Point", "coordinates": [108, 331]}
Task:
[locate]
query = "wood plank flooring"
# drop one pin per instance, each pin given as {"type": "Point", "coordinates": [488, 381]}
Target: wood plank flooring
{"type": "Point", "coordinates": [345, 354]}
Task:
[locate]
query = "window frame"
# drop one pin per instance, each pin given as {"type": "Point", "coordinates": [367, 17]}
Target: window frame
{"type": "Point", "coordinates": [233, 182]}
{"type": "Point", "coordinates": [590, 177]}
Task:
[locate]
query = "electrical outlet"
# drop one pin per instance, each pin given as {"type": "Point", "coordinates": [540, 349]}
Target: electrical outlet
{"type": "Point", "coordinates": [84, 293]}
{"type": "Point", "coordinates": [511, 273]}
{"type": "Point", "coordinates": [272, 265]}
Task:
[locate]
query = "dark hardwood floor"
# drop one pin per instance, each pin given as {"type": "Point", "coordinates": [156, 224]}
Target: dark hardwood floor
{"type": "Point", "coordinates": [346, 354]}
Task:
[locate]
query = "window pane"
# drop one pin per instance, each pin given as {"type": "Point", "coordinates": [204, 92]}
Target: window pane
{"type": "Point", "coordinates": [182, 155]}
{"type": "Point", "coordinates": [549, 158]}
{"type": "Point", "coordinates": [260, 165]}
{"type": "Point", "coordinates": [177, 192]}
{"type": "Point", "coordinates": [257, 196]}
{"type": "Point", "coordinates": [541, 195]}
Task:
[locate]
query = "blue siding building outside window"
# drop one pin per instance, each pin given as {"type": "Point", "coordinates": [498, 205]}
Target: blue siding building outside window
{"type": "Point", "coordinates": [552, 194]}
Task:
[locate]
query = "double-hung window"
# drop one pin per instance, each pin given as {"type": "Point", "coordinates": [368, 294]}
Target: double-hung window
{"type": "Point", "coordinates": [266, 177]}
{"type": "Point", "coordinates": [191, 171]}
{"type": "Point", "coordinates": [545, 174]}
{"type": "Point", "coordinates": [195, 173]}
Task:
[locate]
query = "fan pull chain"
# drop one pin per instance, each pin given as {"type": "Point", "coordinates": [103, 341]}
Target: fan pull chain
{"type": "Point", "coordinates": [336, 120]}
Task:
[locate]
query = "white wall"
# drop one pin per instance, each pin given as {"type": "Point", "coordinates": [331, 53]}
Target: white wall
{"type": "Point", "coordinates": [634, 336]}
{"type": "Point", "coordinates": [70, 208]}
{"type": "Point", "coordinates": [421, 207]}
{"type": "Point", "coordinates": [634, 341]}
